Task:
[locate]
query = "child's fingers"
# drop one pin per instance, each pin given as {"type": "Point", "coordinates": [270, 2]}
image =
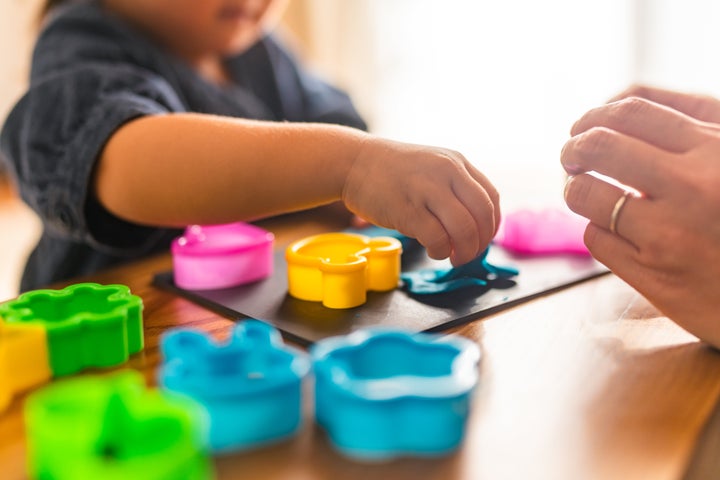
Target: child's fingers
{"type": "Point", "coordinates": [461, 227]}
{"type": "Point", "coordinates": [479, 210]}
{"type": "Point", "coordinates": [359, 222]}
{"type": "Point", "coordinates": [483, 208]}
{"type": "Point", "coordinates": [427, 229]}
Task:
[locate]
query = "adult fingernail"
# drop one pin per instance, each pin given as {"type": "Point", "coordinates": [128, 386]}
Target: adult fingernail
{"type": "Point", "coordinates": [572, 169]}
{"type": "Point", "coordinates": [567, 187]}
{"type": "Point", "coordinates": [565, 154]}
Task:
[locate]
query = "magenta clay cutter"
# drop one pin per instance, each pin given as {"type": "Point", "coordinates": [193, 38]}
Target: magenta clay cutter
{"type": "Point", "coordinates": [221, 256]}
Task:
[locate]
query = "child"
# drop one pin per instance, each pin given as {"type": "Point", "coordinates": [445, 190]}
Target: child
{"type": "Point", "coordinates": [144, 116]}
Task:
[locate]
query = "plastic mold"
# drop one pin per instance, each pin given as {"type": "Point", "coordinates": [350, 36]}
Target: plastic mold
{"type": "Point", "coordinates": [113, 428]}
{"type": "Point", "coordinates": [250, 386]}
{"type": "Point", "coordinates": [543, 232]}
{"type": "Point", "coordinates": [372, 231]}
{"type": "Point", "coordinates": [87, 324]}
{"type": "Point", "coordinates": [338, 269]}
{"type": "Point", "coordinates": [23, 359]}
{"type": "Point", "coordinates": [384, 394]}
{"type": "Point", "coordinates": [222, 256]}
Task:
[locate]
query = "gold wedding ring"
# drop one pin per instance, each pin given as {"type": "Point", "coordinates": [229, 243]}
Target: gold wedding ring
{"type": "Point", "coordinates": [617, 209]}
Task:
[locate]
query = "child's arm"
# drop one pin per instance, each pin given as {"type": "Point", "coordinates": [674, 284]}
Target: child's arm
{"type": "Point", "coordinates": [180, 169]}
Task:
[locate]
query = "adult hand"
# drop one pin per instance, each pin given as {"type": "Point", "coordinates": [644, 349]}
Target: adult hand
{"type": "Point", "coordinates": [666, 240]}
{"type": "Point", "coordinates": [700, 107]}
{"type": "Point", "coordinates": [432, 194]}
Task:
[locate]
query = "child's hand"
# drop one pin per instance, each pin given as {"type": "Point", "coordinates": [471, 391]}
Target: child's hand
{"type": "Point", "coordinates": [431, 194]}
{"type": "Point", "coordinates": [359, 222]}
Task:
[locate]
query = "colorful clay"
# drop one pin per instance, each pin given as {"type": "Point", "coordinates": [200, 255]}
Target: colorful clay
{"type": "Point", "coordinates": [543, 232]}
{"type": "Point", "coordinates": [477, 272]}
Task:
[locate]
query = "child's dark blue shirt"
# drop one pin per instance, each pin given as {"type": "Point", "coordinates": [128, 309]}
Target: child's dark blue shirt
{"type": "Point", "coordinates": [91, 73]}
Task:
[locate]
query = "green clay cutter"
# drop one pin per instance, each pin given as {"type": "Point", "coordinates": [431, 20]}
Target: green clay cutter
{"type": "Point", "coordinates": [88, 325]}
{"type": "Point", "coordinates": [112, 427]}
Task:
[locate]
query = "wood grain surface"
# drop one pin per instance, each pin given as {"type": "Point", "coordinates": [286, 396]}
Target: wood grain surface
{"type": "Point", "coordinates": [587, 383]}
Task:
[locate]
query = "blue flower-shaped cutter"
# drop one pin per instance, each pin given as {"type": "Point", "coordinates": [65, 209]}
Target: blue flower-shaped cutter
{"type": "Point", "coordinates": [250, 386]}
{"type": "Point", "coordinates": [381, 394]}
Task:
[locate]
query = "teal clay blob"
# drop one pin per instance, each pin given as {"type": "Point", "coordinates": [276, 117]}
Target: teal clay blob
{"type": "Point", "coordinates": [477, 272]}
{"type": "Point", "coordinates": [113, 428]}
{"type": "Point", "coordinates": [88, 325]}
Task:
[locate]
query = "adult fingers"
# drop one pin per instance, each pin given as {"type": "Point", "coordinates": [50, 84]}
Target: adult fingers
{"type": "Point", "coordinates": [630, 161]}
{"type": "Point", "coordinates": [599, 201]}
{"type": "Point", "coordinates": [687, 296]}
{"type": "Point", "coordinates": [618, 255]}
{"type": "Point", "coordinates": [650, 122]}
{"type": "Point", "coordinates": [701, 107]}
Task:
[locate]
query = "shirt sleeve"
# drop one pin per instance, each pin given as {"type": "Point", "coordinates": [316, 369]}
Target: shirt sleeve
{"type": "Point", "coordinates": [55, 134]}
{"type": "Point", "coordinates": [305, 96]}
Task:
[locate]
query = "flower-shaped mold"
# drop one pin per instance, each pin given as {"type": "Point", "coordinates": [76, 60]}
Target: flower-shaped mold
{"type": "Point", "coordinates": [221, 256]}
{"type": "Point", "coordinates": [543, 232]}
{"type": "Point", "coordinates": [338, 269]}
{"type": "Point", "coordinates": [112, 427]}
{"type": "Point", "coordinates": [250, 385]}
{"type": "Point", "coordinates": [87, 324]}
{"type": "Point", "coordinates": [23, 359]}
{"type": "Point", "coordinates": [382, 394]}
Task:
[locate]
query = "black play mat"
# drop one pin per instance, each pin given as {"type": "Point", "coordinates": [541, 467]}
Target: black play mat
{"type": "Point", "coordinates": [306, 322]}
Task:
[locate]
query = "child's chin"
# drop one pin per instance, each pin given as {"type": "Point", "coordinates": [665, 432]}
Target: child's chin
{"type": "Point", "coordinates": [242, 42]}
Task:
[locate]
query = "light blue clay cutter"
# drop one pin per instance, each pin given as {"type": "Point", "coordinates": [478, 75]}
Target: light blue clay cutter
{"type": "Point", "coordinates": [250, 386]}
{"type": "Point", "coordinates": [383, 394]}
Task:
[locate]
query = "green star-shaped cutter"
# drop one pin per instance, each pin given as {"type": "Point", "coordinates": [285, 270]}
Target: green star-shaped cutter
{"type": "Point", "coordinates": [87, 324]}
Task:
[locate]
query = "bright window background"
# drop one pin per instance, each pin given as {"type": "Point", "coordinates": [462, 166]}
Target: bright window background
{"type": "Point", "coordinates": [503, 82]}
{"type": "Point", "coordinates": [500, 81]}
{"type": "Point", "coordinates": [679, 44]}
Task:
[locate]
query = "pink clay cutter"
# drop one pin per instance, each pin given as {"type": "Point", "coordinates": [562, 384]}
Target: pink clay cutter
{"type": "Point", "coordinates": [221, 256]}
{"type": "Point", "coordinates": [543, 232]}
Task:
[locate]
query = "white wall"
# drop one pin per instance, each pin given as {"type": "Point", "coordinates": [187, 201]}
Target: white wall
{"type": "Point", "coordinates": [500, 81]}
{"type": "Point", "coordinates": [679, 44]}
{"type": "Point", "coordinates": [503, 81]}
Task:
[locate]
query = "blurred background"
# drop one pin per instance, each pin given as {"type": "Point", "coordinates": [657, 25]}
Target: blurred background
{"type": "Point", "coordinates": [502, 82]}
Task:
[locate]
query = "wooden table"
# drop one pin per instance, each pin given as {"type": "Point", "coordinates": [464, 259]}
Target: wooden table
{"type": "Point", "coordinates": [587, 383]}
